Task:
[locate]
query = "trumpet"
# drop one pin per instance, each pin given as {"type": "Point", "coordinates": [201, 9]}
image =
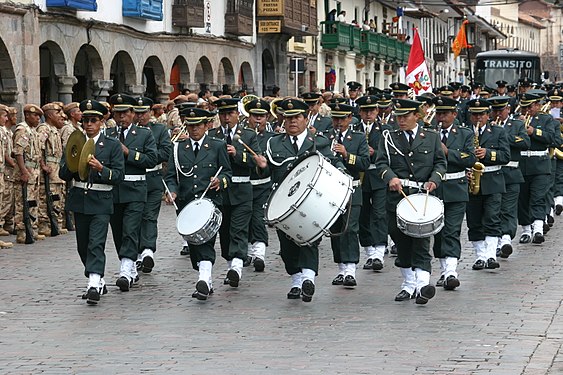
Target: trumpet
{"type": "Point", "coordinates": [183, 130]}
{"type": "Point", "coordinates": [430, 115]}
{"type": "Point", "coordinates": [546, 107]}
{"type": "Point", "coordinates": [245, 100]}
{"type": "Point", "coordinates": [496, 121]}
{"type": "Point", "coordinates": [527, 121]}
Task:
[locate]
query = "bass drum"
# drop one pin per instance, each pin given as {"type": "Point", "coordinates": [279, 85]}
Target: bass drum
{"type": "Point", "coordinates": [424, 220]}
{"type": "Point", "coordinates": [199, 221]}
{"type": "Point", "coordinates": [310, 198]}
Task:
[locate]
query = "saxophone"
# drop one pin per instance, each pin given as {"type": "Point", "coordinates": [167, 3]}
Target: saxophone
{"type": "Point", "coordinates": [477, 170]}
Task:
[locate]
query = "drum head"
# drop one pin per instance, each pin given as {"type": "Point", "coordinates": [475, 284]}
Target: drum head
{"type": "Point", "coordinates": [292, 189]}
{"type": "Point", "coordinates": [194, 216]}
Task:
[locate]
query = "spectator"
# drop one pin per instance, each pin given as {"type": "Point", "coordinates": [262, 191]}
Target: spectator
{"type": "Point", "coordinates": [331, 16]}
{"type": "Point", "coordinates": [373, 25]}
{"type": "Point", "coordinates": [366, 26]}
{"type": "Point", "coordinates": [342, 16]}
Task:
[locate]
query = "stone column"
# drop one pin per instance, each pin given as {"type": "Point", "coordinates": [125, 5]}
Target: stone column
{"type": "Point", "coordinates": [136, 90]}
{"type": "Point", "coordinates": [100, 89]}
{"type": "Point", "coordinates": [163, 93]}
{"type": "Point", "coordinates": [65, 84]}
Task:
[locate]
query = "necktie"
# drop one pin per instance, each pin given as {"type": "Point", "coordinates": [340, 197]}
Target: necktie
{"type": "Point", "coordinates": [229, 140]}
{"type": "Point", "coordinates": [122, 135]}
{"type": "Point", "coordinates": [411, 136]}
{"type": "Point", "coordinates": [340, 138]}
{"type": "Point", "coordinates": [444, 136]}
{"type": "Point", "coordinates": [196, 148]}
{"type": "Point", "coordinates": [295, 147]}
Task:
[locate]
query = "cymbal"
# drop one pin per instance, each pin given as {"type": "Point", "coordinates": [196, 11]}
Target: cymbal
{"type": "Point", "coordinates": [87, 153]}
{"type": "Point", "coordinates": [73, 148]}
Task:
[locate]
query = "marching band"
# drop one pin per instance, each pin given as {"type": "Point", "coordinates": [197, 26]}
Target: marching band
{"type": "Point", "coordinates": [368, 171]}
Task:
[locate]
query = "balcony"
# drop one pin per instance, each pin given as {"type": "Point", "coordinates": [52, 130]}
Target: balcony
{"type": "Point", "coordinates": [295, 17]}
{"type": "Point", "coordinates": [188, 13]}
{"type": "Point", "coordinates": [346, 37]}
{"type": "Point", "coordinates": [89, 5]}
{"type": "Point", "coordinates": [239, 17]}
{"type": "Point", "coordinates": [145, 9]}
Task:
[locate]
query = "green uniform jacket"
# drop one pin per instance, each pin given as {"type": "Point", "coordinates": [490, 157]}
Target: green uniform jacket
{"type": "Point", "coordinates": [542, 137]}
{"type": "Point", "coordinates": [322, 123]}
{"type": "Point", "coordinates": [372, 179]}
{"type": "Point", "coordinates": [518, 140]}
{"type": "Point", "coordinates": [460, 156]}
{"type": "Point", "coordinates": [242, 164]}
{"type": "Point", "coordinates": [92, 202]}
{"type": "Point", "coordinates": [163, 150]}
{"type": "Point", "coordinates": [142, 155]}
{"type": "Point", "coordinates": [494, 139]}
{"type": "Point", "coordinates": [188, 176]}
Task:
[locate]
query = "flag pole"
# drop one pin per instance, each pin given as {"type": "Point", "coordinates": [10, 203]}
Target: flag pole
{"type": "Point", "coordinates": [468, 55]}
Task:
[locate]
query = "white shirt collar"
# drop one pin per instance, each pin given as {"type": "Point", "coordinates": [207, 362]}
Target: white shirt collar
{"type": "Point", "coordinates": [300, 138]}
{"type": "Point", "coordinates": [97, 137]}
{"type": "Point", "coordinates": [200, 142]}
{"type": "Point", "coordinates": [414, 131]}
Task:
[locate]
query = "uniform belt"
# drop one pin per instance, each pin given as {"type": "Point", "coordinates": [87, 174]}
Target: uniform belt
{"type": "Point", "coordinates": [512, 164]}
{"type": "Point", "coordinates": [52, 159]}
{"type": "Point", "coordinates": [356, 183]}
{"type": "Point", "coordinates": [454, 176]}
{"type": "Point", "coordinates": [372, 166]}
{"type": "Point", "coordinates": [412, 184]}
{"type": "Point", "coordinates": [533, 153]}
{"type": "Point", "coordinates": [97, 187]}
{"type": "Point", "coordinates": [31, 164]}
{"type": "Point", "coordinates": [156, 168]}
{"type": "Point", "coordinates": [492, 168]}
{"type": "Point", "coordinates": [134, 177]}
{"type": "Point", "coordinates": [261, 181]}
{"type": "Point", "coordinates": [240, 179]}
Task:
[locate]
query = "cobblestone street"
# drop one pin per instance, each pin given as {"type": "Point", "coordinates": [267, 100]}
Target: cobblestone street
{"type": "Point", "coordinates": [507, 321]}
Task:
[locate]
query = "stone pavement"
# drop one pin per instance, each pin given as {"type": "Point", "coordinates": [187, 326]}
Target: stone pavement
{"type": "Point", "coordinates": [507, 321]}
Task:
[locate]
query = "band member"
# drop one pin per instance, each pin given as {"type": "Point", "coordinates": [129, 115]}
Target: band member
{"type": "Point", "coordinates": [457, 144]}
{"type": "Point", "coordinates": [314, 119]}
{"type": "Point", "coordinates": [536, 168]}
{"type": "Point", "coordinates": [149, 224]}
{"type": "Point", "coordinates": [400, 90]}
{"type": "Point", "coordinates": [301, 262]}
{"type": "Point", "coordinates": [518, 140]}
{"type": "Point", "coordinates": [27, 153]}
{"type": "Point", "coordinates": [191, 168]}
{"type": "Point", "coordinates": [258, 110]}
{"type": "Point", "coordinates": [483, 210]}
{"type": "Point", "coordinates": [386, 115]}
{"type": "Point", "coordinates": [351, 147]}
{"type": "Point", "coordinates": [410, 159]}
{"type": "Point", "coordinates": [373, 216]}
{"type": "Point", "coordinates": [129, 197]}
{"type": "Point", "coordinates": [237, 200]}
{"type": "Point", "coordinates": [92, 200]}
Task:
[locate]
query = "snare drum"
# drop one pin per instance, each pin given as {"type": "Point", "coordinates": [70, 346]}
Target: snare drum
{"type": "Point", "coordinates": [199, 221]}
{"type": "Point", "coordinates": [309, 200]}
{"type": "Point", "coordinates": [418, 223]}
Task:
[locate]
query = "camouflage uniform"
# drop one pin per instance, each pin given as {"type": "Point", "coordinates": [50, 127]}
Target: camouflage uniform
{"type": "Point", "coordinates": [7, 181]}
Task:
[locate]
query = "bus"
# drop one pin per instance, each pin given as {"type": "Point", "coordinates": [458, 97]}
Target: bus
{"type": "Point", "coordinates": [506, 65]}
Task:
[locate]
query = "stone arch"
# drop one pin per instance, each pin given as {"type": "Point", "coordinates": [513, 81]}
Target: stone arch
{"type": "Point", "coordinates": [89, 73]}
{"type": "Point", "coordinates": [52, 66]}
{"type": "Point", "coordinates": [153, 77]}
{"type": "Point", "coordinates": [8, 83]}
{"type": "Point", "coordinates": [203, 71]}
{"type": "Point", "coordinates": [179, 76]}
{"type": "Point", "coordinates": [268, 71]}
{"type": "Point", "coordinates": [245, 78]}
{"type": "Point", "coordinates": [122, 73]}
{"type": "Point", "coordinates": [226, 73]}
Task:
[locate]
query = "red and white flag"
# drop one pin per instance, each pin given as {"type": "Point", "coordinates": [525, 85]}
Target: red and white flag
{"type": "Point", "coordinates": [418, 76]}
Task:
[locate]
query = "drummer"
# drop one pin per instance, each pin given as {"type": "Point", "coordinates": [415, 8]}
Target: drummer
{"type": "Point", "coordinates": [191, 167]}
{"type": "Point", "coordinates": [301, 262]}
{"type": "Point", "coordinates": [410, 159]}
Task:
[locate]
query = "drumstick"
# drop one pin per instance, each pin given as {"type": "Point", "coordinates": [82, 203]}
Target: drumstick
{"type": "Point", "coordinates": [426, 202]}
{"type": "Point", "coordinates": [170, 195]}
{"type": "Point", "coordinates": [408, 200]}
{"type": "Point", "coordinates": [210, 182]}
{"type": "Point", "coordinates": [237, 139]}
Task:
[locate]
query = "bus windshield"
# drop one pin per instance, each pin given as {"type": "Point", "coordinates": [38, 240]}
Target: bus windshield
{"type": "Point", "coordinates": [508, 67]}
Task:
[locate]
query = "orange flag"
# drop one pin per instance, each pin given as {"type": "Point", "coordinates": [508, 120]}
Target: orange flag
{"type": "Point", "coordinates": [460, 41]}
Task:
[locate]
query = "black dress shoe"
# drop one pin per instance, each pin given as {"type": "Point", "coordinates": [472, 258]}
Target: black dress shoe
{"type": "Point", "coordinates": [546, 227]}
{"type": "Point", "coordinates": [525, 238]}
{"type": "Point", "coordinates": [92, 296]}
{"type": "Point", "coordinates": [538, 238]}
{"type": "Point", "coordinates": [202, 290]}
{"type": "Point", "coordinates": [427, 292]}
{"type": "Point", "coordinates": [451, 282]}
{"type": "Point", "coordinates": [123, 284]}
{"type": "Point", "coordinates": [393, 251]}
{"type": "Point", "coordinates": [247, 262]}
{"type": "Point", "coordinates": [349, 281]}
{"type": "Point", "coordinates": [259, 265]}
{"type": "Point", "coordinates": [104, 291]}
{"type": "Point", "coordinates": [440, 281]}
{"type": "Point", "coordinates": [147, 264]}
{"type": "Point", "coordinates": [185, 250]}
{"type": "Point", "coordinates": [498, 251]}
{"type": "Point", "coordinates": [294, 293]}
{"type": "Point", "coordinates": [307, 290]}
{"type": "Point", "coordinates": [369, 264]}
{"type": "Point", "coordinates": [505, 251]}
{"type": "Point", "coordinates": [138, 264]}
{"type": "Point", "coordinates": [377, 265]}
{"type": "Point", "coordinates": [558, 209]}
{"type": "Point", "coordinates": [195, 293]}
{"type": "Point", "coordinates": [550, 220]}
{"type": "Point", "coordinates": [233, 277]}
{"type": "Point", "coordinates": [338, 280]}
{"type": "Point", "coordinates": [403, 296]}
{"type": "Point", "coordinates": [226, 281]}
{"type": "Point", "coordinates": [492, 264]}
{"type": "Point", "coordinates": [478, 265]}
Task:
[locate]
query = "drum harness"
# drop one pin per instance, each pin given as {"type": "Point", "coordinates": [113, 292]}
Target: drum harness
{"type": "Point", "coordinates": [389, 142]}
